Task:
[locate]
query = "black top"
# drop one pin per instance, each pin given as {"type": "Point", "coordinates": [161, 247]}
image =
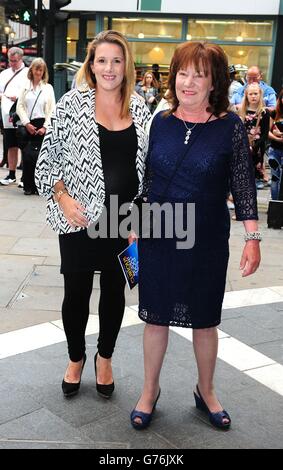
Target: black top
{"type": "Point", "coordinates": [274, 143]}
{"type": "Point", "coordinates": [79, 252]}
{"type": "Point", "coordinates": [260, 142]}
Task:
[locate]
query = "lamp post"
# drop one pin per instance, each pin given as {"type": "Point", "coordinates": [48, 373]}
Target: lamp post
{"type": "Point", "coordinates": [7, 31]}
{"type": "Point", "coordinates": [12, 37]}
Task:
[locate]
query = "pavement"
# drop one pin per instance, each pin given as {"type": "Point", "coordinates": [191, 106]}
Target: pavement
{"type": "Point", "coordinates": [33, 357]}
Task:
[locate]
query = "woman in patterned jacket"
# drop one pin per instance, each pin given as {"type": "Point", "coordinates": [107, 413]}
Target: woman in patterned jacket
{"type": "Point", "coordinates": [93, 151]}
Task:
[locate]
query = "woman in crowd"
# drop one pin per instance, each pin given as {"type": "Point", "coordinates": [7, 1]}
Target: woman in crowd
{"type": "Point", "coordinates": [148, 89]}
{"type": "Point", "coordinates": [34, 108]}
{"type": "Point", "coordinates": [256, 117]}
{"type": "Point", "coordinates": [197, 152]}
{"type": "Point", "coordinates": [95, 148]}
{"type": "Point", "coordinates": [275, 153]}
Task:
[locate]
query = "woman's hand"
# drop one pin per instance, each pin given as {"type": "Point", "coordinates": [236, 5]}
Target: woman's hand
{"type": "Point", "coordinates": [73, 211]}
{"type": "Point", "coordinates": [41, 131]}
{"type": "Point", "coordinates": [276, 132]}
{"type": "Point", "coordinates": [151, 99]}
{"type": "Point", "coordinates": [31, 129]}
{"type": "Point", "coordinates": [132, 237]}
{"type": "Point", "coordinates": [250, 258]}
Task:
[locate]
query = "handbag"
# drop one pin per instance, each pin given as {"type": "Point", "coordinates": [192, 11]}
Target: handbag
{"type": "Point", "coordinates": [14, 118]}
{"type": "Point", "coordinates": [23, 135]}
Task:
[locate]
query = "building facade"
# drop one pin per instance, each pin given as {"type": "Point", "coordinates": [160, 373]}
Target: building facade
{"type": "Point", "coordinates": [251, 33]}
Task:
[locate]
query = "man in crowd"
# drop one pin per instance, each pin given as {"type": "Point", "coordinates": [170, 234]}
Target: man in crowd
{"type": "Point", "coordinates": [11, 82]}
{"type": "Point", "coordinates": [254, 75]}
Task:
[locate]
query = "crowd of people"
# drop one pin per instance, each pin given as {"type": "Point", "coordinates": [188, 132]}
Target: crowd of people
{"type": "Point", "coordinates": [27, 91]}
{"type": "Point", "coordinates": [95, 145]}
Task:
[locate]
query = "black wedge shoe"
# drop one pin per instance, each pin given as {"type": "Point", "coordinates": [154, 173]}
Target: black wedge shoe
{"type": "Point", "coordinates": [71, 389]}
{"type": "Point", "coordinates": [104, 391]}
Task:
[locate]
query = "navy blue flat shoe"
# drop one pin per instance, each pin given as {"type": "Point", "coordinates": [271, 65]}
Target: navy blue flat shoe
{"type": "Point", "coordinates": [71, 389]}
{"type": "Point", "coordinates": [144, 417]}
{"type": "Point", "coordinates": [216, 419]}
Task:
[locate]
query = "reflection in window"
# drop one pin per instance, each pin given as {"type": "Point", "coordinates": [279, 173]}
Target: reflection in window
{"type": "Point", "coordinates": [230, 30]}
{"type": "Point", "coordinates": [148, 27]}
{"type": "Point", "coordinates": [148, 53]}
{"type": "Point", "coordinates": [73, 29]}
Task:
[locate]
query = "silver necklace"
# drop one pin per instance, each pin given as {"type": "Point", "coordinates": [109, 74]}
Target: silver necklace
{"type": "Point", "coordinates": [189, 129]}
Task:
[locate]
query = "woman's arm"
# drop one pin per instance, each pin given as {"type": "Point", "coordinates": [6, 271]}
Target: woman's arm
{"type": "Point", "coordinates": [245, 199]}
{"type": "Point", "coordinates": [50, 162]}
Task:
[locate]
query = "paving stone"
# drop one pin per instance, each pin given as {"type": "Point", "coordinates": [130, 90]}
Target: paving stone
{"type": "Point", "coordinates": [41, 425]}
{"type": "Point", "coordinates": [35, 247]}
{"type": "Point", "coordinates": [15, 319]}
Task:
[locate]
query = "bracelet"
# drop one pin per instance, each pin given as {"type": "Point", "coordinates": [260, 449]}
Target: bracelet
{"type": "Point", "coordinates": [59, 194]}
{"type": "Point", "coordinates": [252, 236]}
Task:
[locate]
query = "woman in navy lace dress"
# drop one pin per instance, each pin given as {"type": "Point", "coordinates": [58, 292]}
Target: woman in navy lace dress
{"type": "Point", "coordinates": [198, 152]}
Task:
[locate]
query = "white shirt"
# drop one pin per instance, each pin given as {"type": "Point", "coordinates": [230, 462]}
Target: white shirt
{"type": "Point", "coordinates": [44, 106]}
{"type": "Point", "coordinates": [13, 89]}
{"type": "Point", "coordinates": [31, 97]}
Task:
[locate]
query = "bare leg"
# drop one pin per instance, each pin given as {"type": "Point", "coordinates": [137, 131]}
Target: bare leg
{"type": "Point", "coordinates": [73, 372]}
{"type": "Point", "coordinates": [205, 347]}
{"type": "Point", "coordinates": [104, 370]}
{"type": "Point", "coordinates": [13, 158]}
{"type": "Point", "coordinates": [155, 342]}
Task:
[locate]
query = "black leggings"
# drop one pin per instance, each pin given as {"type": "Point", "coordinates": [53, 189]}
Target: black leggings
{"type": "Point", "coordinates": [75, 310]}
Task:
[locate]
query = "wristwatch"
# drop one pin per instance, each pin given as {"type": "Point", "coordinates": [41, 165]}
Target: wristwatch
{"type": "Point", "coordinates": [57, 196]}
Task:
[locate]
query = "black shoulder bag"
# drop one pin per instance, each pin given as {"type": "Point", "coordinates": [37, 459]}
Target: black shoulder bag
{"type": "Point", "coordinates": [23, 135]}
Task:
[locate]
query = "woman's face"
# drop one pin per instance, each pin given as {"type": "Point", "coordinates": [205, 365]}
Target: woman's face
{"type": "Point", "coordinates": [108, 66]}
{"type": "Point", "coordinates": [193, 87]}
{"type": "Point", "coordinates": [253, 95]}
{"type": "Point", "coordinates": [37, 73]}
{"type": "Point", "coordinates": [148, 79]}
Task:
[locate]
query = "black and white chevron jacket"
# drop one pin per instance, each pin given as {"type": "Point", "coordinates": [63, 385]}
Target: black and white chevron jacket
{"type": "Point", "coordinates": [71, 152]}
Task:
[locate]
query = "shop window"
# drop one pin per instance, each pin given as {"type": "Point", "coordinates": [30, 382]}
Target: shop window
{"type": "Point", "coordinates": [71, 50]}
{"type": "Point", "coordinates": [106, 20]}
{"type": "Point", "coordinates": [148, 53]}
{"type": "Point", "coordinates": [144, 28]}
{"type": "Point", "coordinates": [251, 55]}
{"type": "Point", "coordinates": [90, 29]}
{"type": "Point", "coordinates": [73, 29]}
{"type": "Point", "coordinates": [230, 30]}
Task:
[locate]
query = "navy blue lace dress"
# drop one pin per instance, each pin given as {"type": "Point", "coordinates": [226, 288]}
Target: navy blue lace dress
{"type": "Point", "coordinates": [185, 287]}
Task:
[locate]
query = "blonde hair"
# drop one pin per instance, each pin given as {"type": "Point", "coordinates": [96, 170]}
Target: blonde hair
{"type": "Point", "coordinates": [86, 76]}
{"type": "Point", "coordinates": [36, 64]}
{"type": "Point", "coordinates": [245, 102]}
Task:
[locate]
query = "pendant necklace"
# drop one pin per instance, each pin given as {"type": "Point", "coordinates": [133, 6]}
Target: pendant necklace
{"type": "Point", "coordinates": [189, 129]}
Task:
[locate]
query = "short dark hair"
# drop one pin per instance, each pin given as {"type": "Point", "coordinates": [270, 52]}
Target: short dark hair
{"type": "Point", "coordinates": [213, 60]}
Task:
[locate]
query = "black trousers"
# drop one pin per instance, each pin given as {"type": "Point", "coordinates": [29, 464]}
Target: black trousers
{"type": "Point", "coordinates": [29, 156]}
{"type": "Point", "coordinates": [75, 310]}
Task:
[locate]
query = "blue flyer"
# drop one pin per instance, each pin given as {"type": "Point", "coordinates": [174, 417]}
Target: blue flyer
{"type": "Point", "coordinates": [130, 264]}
